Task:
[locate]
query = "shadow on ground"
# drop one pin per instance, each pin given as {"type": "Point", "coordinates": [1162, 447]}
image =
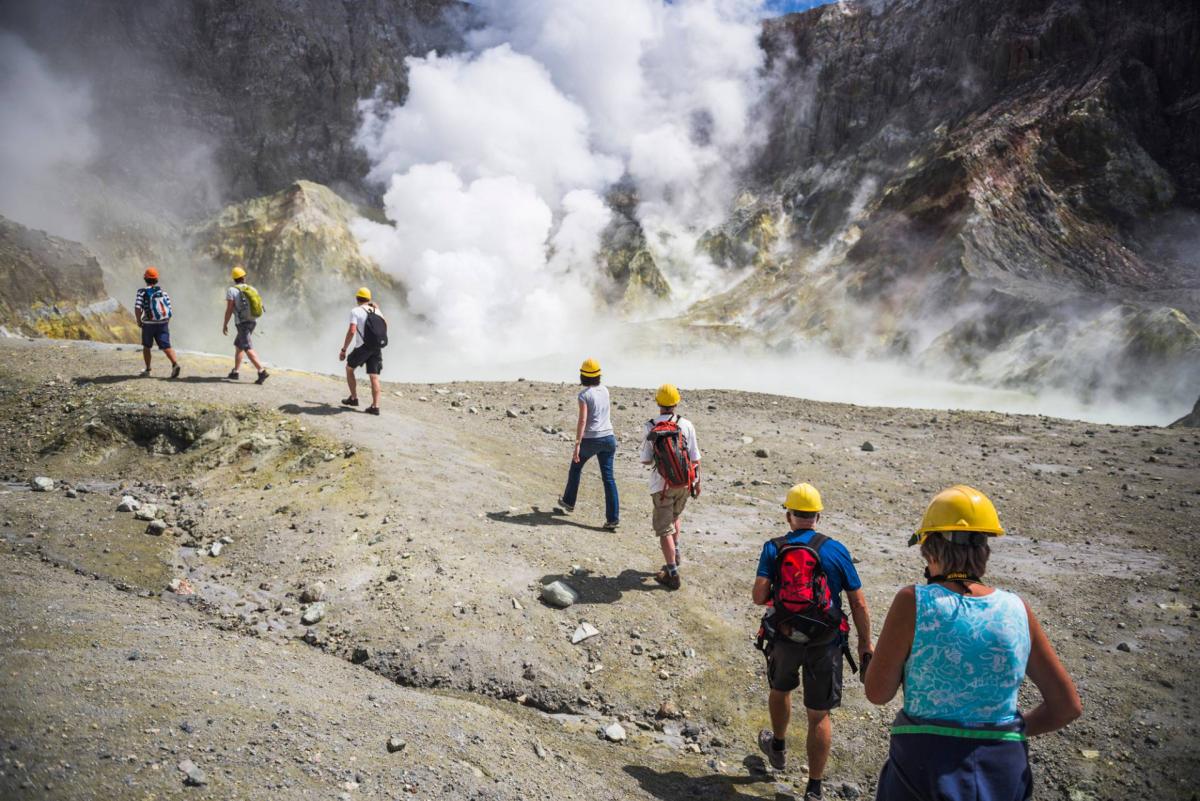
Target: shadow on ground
{"type": "Point", "coordinates": [84, 380]}
{"type": "Point", "coordinates": [677, 786]}
{"type": "Point", "coordinates": [314, 407]}
{"type": "Point", "coordinates": [595, 589]}
{"type": "Point", "coordinates": [539, 517]}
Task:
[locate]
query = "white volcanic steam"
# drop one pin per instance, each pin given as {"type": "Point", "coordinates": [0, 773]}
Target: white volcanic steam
{"type": "Point", "coordinates": [496, 164]}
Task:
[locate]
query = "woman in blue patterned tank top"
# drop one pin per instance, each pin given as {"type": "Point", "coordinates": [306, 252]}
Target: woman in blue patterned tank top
{"type": "Point", "coordinates": [961, 650]}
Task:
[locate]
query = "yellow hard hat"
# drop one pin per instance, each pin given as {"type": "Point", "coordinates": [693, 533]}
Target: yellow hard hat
{"type": "Point", "coordinates": [667, 396]}
{"type": "Point", "coordinates": [363, 293]}
{"type": "Point", "coordinates": [958, 508]}
{"type": "Point", "coordinates": [803, 498]}
{"type": "Point", "coordinates": [590, 368]}
{"type": "Point", "coordinates": [237, 272]}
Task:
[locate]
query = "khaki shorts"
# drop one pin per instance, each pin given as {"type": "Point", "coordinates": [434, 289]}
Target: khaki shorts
{"type": "Point", "coordinates": [668, 505]}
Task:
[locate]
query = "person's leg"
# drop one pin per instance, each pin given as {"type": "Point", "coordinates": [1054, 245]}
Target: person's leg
{"type": "Point", "coordinates": [146, 358]}
{"type": "Point", "coordinates": [606, 455]}
{"type": "Point", "coordinates": [779, 704]}
{"type": "Point", "coordinates": [237, 359]}
{"type": "Point", "coordinates": [376, 390]}
{"type": "Point", "coordinates": [351, 382]}
{"type": "Point", "coordinates": [253, 357]}
{"type": "Point", "coordinates": [667, 544]}
{"type": "Point", "coordinates": [819, 742]}
{"type": "Point", "coordinates": [586, 451]}
{"type": "Point", "coordinates": [171, 355]}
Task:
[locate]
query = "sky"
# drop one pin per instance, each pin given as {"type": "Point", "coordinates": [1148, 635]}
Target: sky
{"type": "Point", "coordinates": [788, 6]}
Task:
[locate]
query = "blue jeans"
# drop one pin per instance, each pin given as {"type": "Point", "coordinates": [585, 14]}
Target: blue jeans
{"type": "Point", "coordinates": [604, 449]}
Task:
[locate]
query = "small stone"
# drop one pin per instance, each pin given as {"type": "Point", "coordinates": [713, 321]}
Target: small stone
{"type": "Point", "coordinates": [215, 549]}
{"type": "Point", "coordinates": [762, 453]}
{"type": "Point", "coordinates": [664, 675]}
{"type": "Point", "coordinates": [510, 414]}
{"type": "Point", "coordinates": [559, 594]}
{"type": "Point", "coordinates": [360, 655]}
{"type": "Point", "coordinates": [866, 446]}
{"type": "Point", "coordinates": [313, 614]}
{"type": "Point", "coordinates": [516, 604]}
{"type": "Point", "coordinates": [396, 743]}
{"type": "Point", "coordinates": [157, 527]}
{"type": "Point", "coordinates": [313, 592]}
{"type": "Point", "coordinates": [1089, 753]}
{"type": "Point", "coordinates": [146, 511]}
{"type": "Point", "coordinates": [71, 493]}
{"type": "Point", "coordinates": [42, 484]}
{"type": "Point", "coordinates": [667, 710]}
{"type": "Point", "coordinates": [636, 649]}
{"type": "Point", "coordinates": [1124, 646]}
{"type": "Point", "coordinates": [181, 586]}
{"type": "Point", "coordinates": [192, 775]}
{"type": "Point", "coordinates": [850, 791]}
{"type": "Point", "coordinates": [128, 504]}
{"type": "Point", "coordinates": [585, 631]}
{"type": "Point", "coordinates": [615, 733]}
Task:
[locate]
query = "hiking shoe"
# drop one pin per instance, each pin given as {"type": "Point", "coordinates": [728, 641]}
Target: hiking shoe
{"type": "Point", "coordinates": [145, 373]}
{"type": "Point", "coordinates": [776, 759]}
{"type": "Point", "coordinates": [263, 375]}
{"type": "Point", "coordinates": [566, 507]}
{"type": "Point", "coordinates": [372, 410]}
{"type": "Point", "coordinates": [175, 371]}
{"type": "Point", "coordinates": [349, 401]}
{"type": "Point", "coordinates": [233, 375]}
{"type": "Point", "coordinates": [611, 525]}
{"type": "Point", "coordinates": [669, 580]}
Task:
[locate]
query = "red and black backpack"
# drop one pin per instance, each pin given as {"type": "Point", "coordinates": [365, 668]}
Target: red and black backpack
{"type": "Point", "coordinates": [671, 457]}
{"type": "Point", "coordinates": [803, 606]}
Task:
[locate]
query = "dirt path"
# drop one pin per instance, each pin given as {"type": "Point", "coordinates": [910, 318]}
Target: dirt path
{"type": "Point", "coordinates": [432, 528]}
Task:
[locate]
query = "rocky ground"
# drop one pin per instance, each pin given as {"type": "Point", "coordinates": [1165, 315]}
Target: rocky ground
{"type": "Point", "coordinates": [312, 583]}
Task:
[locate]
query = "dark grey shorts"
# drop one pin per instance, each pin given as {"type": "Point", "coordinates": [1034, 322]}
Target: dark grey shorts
{"type": "Point", "coordinates": [244, 330]}
{"type": "Point", "coordinates": [819, 665]}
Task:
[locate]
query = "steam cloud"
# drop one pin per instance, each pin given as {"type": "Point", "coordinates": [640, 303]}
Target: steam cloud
{"type": "Point", "coordinates": [496, 164]}
{"type": "Point", "coordinates": [45, 136]}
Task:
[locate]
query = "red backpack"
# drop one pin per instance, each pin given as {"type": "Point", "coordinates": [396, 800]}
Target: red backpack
{"type": "Point", "coordinates": [671, 457]}
{"type": "Point", "coordinates": [803, 608]}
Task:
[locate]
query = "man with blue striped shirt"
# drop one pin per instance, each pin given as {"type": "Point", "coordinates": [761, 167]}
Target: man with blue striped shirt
{"type": "Point", "coordinates": [152, 309]}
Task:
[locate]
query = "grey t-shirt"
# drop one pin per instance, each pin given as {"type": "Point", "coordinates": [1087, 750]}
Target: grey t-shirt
{"type": "Point", "coordinates": [599, 424]}
{"type": "Point", "coordinates": [241, 308]}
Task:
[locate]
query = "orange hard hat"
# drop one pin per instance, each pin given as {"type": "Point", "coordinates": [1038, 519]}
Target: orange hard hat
{"type": "Point", "coordinates": [151, 272]}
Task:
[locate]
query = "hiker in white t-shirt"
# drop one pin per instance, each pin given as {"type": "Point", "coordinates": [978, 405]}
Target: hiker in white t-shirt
{"type": "Point", "coordinates": [669, 443]}
{"type": "Point", "coordinates": [366, 353]}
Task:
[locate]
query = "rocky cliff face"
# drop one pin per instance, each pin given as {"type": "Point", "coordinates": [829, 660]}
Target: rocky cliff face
{"type": "Point", "coordinates": [54, 287]}
{"type": "Point", "coordinates": [240, 97]}
{"type": "Point", "coordinates": [297, 245]}
{"type": "Point", "coordinates": [1000, 187]}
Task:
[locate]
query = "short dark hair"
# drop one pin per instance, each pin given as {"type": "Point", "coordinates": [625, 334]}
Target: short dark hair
{"type": "Point", "coordinates": [589, 381]}
{"type": "Point", "coordinates": [970, 558]}
{"type": "Point", "coordinates": [802, 515]}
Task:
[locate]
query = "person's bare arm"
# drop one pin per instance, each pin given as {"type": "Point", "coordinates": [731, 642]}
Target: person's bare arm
{"type": "Point", "coordinates": [346, 343]}
{"type": "Point", "coordinates": [137, 315]}
{"type": "Point", "coordinates": [228, 314]}
{"type": "Point", "coordinates": [884, 678]}
{"type": "Point", "coordinates": [1060, 701]}
{"type": "Point", "coordinates": [579, 426]}
{"type": "Point", "coordinates": [762, 591]}
{"type": "Point", "coordinates": [862, 619]}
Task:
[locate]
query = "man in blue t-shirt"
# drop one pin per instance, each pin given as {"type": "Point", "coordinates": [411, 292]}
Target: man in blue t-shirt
{"type": "Point", "coordinates": [821, 663]}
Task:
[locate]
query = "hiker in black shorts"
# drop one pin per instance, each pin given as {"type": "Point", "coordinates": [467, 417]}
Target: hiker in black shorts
{"type": "Point", "coordinates": [368, 332]}
{"type": "Point", "coordinates": [152, 310]}
{"type": "Point", "coordinates": [797, 651]}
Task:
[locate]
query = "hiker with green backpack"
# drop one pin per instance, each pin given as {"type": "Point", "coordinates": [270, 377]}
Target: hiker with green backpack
{"type": "Point", "coordinates": [243, 303]}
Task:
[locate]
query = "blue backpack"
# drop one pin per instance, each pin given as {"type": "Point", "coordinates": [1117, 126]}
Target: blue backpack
{"type": "Point", "coordinates": [156, 306]}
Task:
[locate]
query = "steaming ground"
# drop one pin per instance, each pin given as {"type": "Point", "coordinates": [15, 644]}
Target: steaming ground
{"type": "Point", "coordinates": [432, 527]}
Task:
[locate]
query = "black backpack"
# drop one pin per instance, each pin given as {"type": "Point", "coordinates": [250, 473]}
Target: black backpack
{"type": "Point", "coordinates": [374, 334]}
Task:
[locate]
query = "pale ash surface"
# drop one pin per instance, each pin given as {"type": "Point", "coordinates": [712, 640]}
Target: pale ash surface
{"type": "Point", "coordinates": [657, 482]}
